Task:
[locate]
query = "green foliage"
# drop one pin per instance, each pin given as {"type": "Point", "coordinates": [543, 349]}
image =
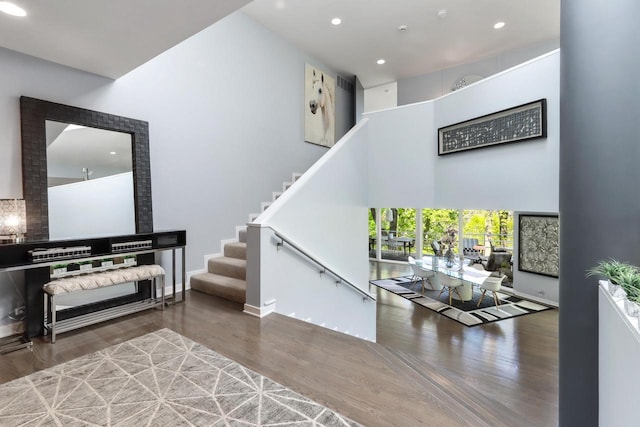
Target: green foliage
{"type": "Point", "coordinates": [477, 223]}
{"type": "Point", "coordinates": [619, 273]}
{"type": "Point", "coordinates": [438, 221]}
{"type": "Point", "coordinates": [612, 270]}
{"type": "Point", "coordinates": [630, 282]}
{"type": "Point", "coordinates": [372, 223]}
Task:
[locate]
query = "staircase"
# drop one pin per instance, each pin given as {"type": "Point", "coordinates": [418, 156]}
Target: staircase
{"type": "Point", "coordinates": [226, 275]}
{"type": "Point", "coordinates": [227, 272]}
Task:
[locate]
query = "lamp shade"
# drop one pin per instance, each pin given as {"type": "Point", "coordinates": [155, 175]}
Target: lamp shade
{"type": "Point", "coordinates": [13, 217]}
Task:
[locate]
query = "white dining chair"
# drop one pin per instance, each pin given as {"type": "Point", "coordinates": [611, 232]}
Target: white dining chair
{"type": "Point", "coordinates": [492, 284]}
{"type": "Point", "coordinates": [422, 275]}
{"type": "Point", "coordinates": [412, 261]}
{"type": "Point", "coordinates": [450, 283]}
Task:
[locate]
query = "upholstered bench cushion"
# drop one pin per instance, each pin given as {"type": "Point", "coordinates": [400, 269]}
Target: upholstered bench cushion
{"type": "Point", "coordinates": [102, 279]}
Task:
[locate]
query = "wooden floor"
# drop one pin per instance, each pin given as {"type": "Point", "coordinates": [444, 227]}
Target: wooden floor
{"type": "Point", "coordinates": [425, 369]}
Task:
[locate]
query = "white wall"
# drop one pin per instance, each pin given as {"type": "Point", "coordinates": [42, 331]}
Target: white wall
{"type": "Point", "coordinates": [517, 176]}
{"type": "Point", "coordinates": [324, 213]}
{"type": "Point", "coordinates": [406, 171]}
{"type": "Point", "coordinates": [619, 375]}
{"type": "Point", "coordinates": [223, 108]}
{"type": "Point", "coordinates": [405, 168]}
{"type": "Point", "coordinates": [401, 157]}
{"type": "Point", "coordinates": [98, 207]}
{"type": "Point", "coordinates": [381, 97]}
{"type": "Point", "coordinates": [439, 83]}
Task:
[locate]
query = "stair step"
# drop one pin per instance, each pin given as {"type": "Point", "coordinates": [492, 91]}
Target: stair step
{"type": "Point", "coordinates": [275, 195]}
{"type": "Point", "coordinates": [230, 267]}
{"type": "Point", "coordinates": [253, 216]}
{"type": "Point", "coordinates": [265, 205]}
{"type": "Point", "coordinates": [242, 235]}
{"type": "Point", "coordinates": [221, 286]}
{"type": "Point", "coordinates": [236, 250]}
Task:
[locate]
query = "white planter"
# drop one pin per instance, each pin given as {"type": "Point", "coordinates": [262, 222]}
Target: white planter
{"type": "Point", "coordinates": [631, 308]}
{"type": "Point", "coordinates": [616, 291]}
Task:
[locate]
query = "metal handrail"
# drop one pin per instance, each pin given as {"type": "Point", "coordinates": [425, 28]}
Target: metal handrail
{"type": "Point", "coordinates": [320, 264]}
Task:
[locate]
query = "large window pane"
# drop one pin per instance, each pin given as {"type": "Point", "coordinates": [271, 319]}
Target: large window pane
{"type": "Point", "coordinates": [372, 233]}
{"type": "Point", "coordinates": [493, 232]}
{"type": "Point", "coordinates": [490, 228]}
{"type": "Point", "coordinates": [398, 232]}
{"type": "Point", "coordinates": [436, 223]}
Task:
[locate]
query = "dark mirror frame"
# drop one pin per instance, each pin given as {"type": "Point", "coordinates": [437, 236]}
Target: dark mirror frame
{"type": "Point", "coordinates": [33, 113]}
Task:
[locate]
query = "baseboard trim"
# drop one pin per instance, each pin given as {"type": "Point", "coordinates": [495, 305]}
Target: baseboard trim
{"type": "Point", "coordinates": [533, 298]}
{"type": "Point", "coordinates": [168, 289]}
{"type": "Point", "coordinates": [259, 312]}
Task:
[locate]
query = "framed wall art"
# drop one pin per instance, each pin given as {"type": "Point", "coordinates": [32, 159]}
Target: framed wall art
{"type": "Point", "coordinates": [539, 244]}
{"type": "Point", "coordinates": [319, 107]}
{"type": "Point", "coordinates": [521, 123]}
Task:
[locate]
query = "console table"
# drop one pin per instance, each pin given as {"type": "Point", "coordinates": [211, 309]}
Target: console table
{"type": "Point", "coordinates": [37, 259]}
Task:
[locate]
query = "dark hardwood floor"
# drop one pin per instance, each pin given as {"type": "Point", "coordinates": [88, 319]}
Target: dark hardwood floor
{"type": "Point", "coordinates": [425, 369]}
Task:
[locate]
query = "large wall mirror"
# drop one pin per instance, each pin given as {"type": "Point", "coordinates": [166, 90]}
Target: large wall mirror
{"type": "Point", "coordinates": [85, 173]}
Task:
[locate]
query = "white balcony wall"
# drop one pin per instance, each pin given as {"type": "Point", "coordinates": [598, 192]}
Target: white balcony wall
{"type": "Point", "coordinates": [619, 374]}
{"type": "Point", "coordinates": [406, 171]}
{"type": "Point", "coordinates": [520, 176]}
{"type": "Point", "coordinates": [402, 157]}
{"type": "Point", "coordinates": [325, 214]}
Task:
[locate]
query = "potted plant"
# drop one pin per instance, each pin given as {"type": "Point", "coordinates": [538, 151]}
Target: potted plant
{"type": "Point", "coordinates": [624, 282]}
{"type": "Point", "coordinates": [629, 281]}
{"type": "Point", "coordinates": [613, 271]}
{"type": "Point", "coordinates": [59, 269]}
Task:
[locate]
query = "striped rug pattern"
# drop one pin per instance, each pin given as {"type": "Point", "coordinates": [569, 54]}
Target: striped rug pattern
{"type": "Point", "coordinates": [465, 313]}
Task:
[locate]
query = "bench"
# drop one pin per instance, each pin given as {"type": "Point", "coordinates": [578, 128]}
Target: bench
{"type": "Point", "coordinates": [82, 282]}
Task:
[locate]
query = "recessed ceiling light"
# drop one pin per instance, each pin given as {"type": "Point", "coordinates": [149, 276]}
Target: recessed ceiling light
{"type": "Point", "coordinates": [113, 153]}
{"type": "Point", "coordinates": [336, 21]}
{"type": "Point", "coordinates": [442, 13]}
{"type": "Point", "coordinates": [498, 25]}
{"type": "Point", "coordinates": [380, 61]}
{"type": "Point", "coordinates": [12, 9]}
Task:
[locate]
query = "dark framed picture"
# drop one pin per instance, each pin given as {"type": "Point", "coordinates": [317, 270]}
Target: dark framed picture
{"type": "Point", "coordinates": [521, 123]}
{"type": "Point", "coordinates": [539, 244]}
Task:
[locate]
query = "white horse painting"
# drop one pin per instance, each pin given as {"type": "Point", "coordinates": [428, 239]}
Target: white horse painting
{"type": "Point", "coordinates": [319, 116]}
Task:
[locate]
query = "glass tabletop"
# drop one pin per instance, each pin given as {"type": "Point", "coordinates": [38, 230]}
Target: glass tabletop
{"type": "Point", "coordinates": [468, 274]}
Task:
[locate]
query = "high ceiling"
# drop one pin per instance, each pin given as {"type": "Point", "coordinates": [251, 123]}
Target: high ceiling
{"type": "Point", "coordinates": [108, 38]}
{"type": "Point", "coordinates": [370, 31]}
{"type": "Point", "coordinates": [111, 38]}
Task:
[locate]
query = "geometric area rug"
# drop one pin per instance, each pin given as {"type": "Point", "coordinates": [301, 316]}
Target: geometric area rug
{"type": "Point", "coordinates": [158, 379]}
{"type": "Point", "coordinates": [463, 312]}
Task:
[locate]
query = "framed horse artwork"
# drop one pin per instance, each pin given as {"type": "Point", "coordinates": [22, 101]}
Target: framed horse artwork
{"type": "Point", "coordinates": [319, 107]}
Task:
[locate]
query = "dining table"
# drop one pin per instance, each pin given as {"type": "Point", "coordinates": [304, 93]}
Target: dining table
{"type": "Point", "coordinates": [468, 275]}
{"type": "Point", "coordinates": [407, 242]}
